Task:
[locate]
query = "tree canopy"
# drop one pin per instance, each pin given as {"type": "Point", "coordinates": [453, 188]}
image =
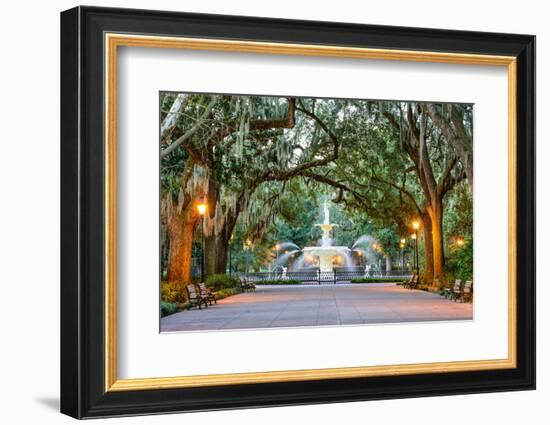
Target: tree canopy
{"type": "Point", "coordinates": [264, 165]}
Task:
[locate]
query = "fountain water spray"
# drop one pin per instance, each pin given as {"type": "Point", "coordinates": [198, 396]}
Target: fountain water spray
{"type": "Point", "coordinates": [326, 252]}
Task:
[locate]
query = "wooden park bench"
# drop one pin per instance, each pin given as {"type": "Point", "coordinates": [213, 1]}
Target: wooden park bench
{"type": "Point", "coordinates": [467, 292]}
{"type": "Point", "coordinates": [456, 292]}
{"type": "Point", "coordinates": [207, 293]}
{"type": "Point", "coordinates": [446, 292]}
{"type": "Point", "coordinates": [414, 282]}
{"type": "Point", "coordinates": [246, 285]}
{"type": "Point", "coordinates": [408, 282]}
{"type": "Point", "coordinates": [194, 298]}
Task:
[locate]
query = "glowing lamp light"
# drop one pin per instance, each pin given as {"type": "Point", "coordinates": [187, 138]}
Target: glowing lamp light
{"type": "Point", "coordinates": [460, 242]}
{"type": "Point", "coordinates": [416, 225]}
{"type": "Point", "coordinates": [277, 247]}
{"type": "Point", "coordinates": [201, 206]}
{"type": "Point", "coordinates": [403, 241]}
{"type": "Point", "coordinates": [413, 236]}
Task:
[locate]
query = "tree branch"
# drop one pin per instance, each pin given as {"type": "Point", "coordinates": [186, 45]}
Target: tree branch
{"type": "Point", "coordinates": [301, 168]}
{"type": "Point", "coordinates": [456, 135]}
{"type": "Point", "coordinates": [400, 189]}
{"type": "Point", "coordinates": [231, 127]}
{"type": "Point", "coordinates": [447, 175]}
{"type": "Point", "coordinates": [169, 123]}
{"type": "Point", "coordinates": [187, 135]}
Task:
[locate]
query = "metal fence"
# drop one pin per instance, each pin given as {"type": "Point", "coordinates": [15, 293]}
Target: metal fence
{"type": "Point", "coordinates": [315, 276]}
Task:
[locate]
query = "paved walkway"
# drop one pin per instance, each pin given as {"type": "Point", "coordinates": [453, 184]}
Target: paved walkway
{"type": "Point", "coordinates": [314, 305]}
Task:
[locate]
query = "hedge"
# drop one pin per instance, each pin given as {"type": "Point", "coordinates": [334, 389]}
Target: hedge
{"type": "Point", "coordinates": [167, 308]}
{"type": "Point", "coordinates": [222, 281]}
{"type": "Point", "coordinates": [377, 279]}
{"type": "Point", "coordinates": [279, 282]}
{"type": "Point", "coordinates": [227, 292]}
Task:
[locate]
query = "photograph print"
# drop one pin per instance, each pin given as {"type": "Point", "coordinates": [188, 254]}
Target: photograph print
{"type": "Point", "coordinates": [300, 212]}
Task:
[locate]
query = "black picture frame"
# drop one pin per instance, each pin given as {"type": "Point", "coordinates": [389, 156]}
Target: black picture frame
{"type": "Point", "coordinates": [83, 392]}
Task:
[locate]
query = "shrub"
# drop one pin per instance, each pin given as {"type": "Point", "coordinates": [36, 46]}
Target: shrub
{"type": "Point", "coordinates": [227, 292]}
{"type": "Point", "coordinates": [167, 308]}
{"type": "Point", "coordinates": [173, 292]}
{"type": "Point", "coordinates": [222, 281]}
{"type": "Point", "coordinates": [279, 282]}
{"type": "Point", "coordinates": [377, 279]}
{"type": "Point", "coordinates": [459, 263]}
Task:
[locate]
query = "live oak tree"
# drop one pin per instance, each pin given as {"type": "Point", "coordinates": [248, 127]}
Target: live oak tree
{"type": "Point", "coordinates": [182, 179]}
{"type": "Point", "coordinates": [192, 152]}
{"type": "Point", "coordinates": [228, 149]}
{"type": "Point", "coordinates": [437, 167]}
{"type": "Point", "coordinates": [230, 157]}
{"type": "Point", "coordinates": [400, 171]}
{"type": "Point", "coordinates": [267, 156]}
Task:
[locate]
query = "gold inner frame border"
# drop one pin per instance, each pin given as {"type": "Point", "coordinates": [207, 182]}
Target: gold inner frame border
{"type": "Point", "coordinates": [113, 40]}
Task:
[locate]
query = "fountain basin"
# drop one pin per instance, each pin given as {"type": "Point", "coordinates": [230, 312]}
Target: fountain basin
{"type": "Point", "coordinates": [325, 255]}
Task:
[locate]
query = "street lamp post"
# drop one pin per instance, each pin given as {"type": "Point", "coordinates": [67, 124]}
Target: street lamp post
{"type": "Point", "coordinates": [413, 237]}
{"type": "Point", "coordinates": [402, 246]}
{"type": "Point", "coordinates": [230, 255]}
{"type": "Point", "coordinates": [248, 244]}
{"type": "Point", "coordinates": [277, 248]}
{"type": "Point", "coordinates": [416, 226]}
{"type": "Point", "coordinates": [201, 208]}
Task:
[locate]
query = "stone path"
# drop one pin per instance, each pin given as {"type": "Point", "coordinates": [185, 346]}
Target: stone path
{"type": "Point", "coordinates": [314, 305]}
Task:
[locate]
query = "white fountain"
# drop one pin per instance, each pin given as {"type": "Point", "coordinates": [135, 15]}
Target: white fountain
{"type": "Point", "coordinates": [326, 252]}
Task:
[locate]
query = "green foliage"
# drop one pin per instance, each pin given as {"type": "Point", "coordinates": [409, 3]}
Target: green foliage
{"type": "Point", "coordinates": [222, 281]}
{"type": "Point", "coordinates": [377, 280]}
{"type": "Point", "coordinates": [167, 308]}
{"type": "Point", "coordinates": [389, 240]}
{"type": "Point", "coordinates": [279, 282]}
{"type": "Point", "coordinates": [458, 218]}
{"type": "Point", "coordinates": [227, 292]}
{"type": "Point", "coordinates": [459, 263]}
{"type": "Point", "coordinates": [173, 292]}
{"type": "Point", "coordinates": [296, 219]}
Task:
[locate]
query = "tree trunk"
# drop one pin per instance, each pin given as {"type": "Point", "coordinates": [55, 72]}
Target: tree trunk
{"type": "Point", "coordinates": [388, 263]}
{"type": "Point", "coordinates": [428, 248]}
{"type": "Point", "coordinates": [435, 210]}
{"type": "Point", "coordinates": [221, 258]}
{"type": "Point", "coordinates": [217, 245]}
{"type": "Point", "coordinates": [216, 249]}
{"type": "Point", "coordinates": [164, 247]}
{"type": "Point", "coordinates": [181, 226]}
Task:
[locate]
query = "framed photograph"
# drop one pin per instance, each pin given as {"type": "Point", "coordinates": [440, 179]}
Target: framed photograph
{"type": "Point", "coordinates": [261, 212]}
